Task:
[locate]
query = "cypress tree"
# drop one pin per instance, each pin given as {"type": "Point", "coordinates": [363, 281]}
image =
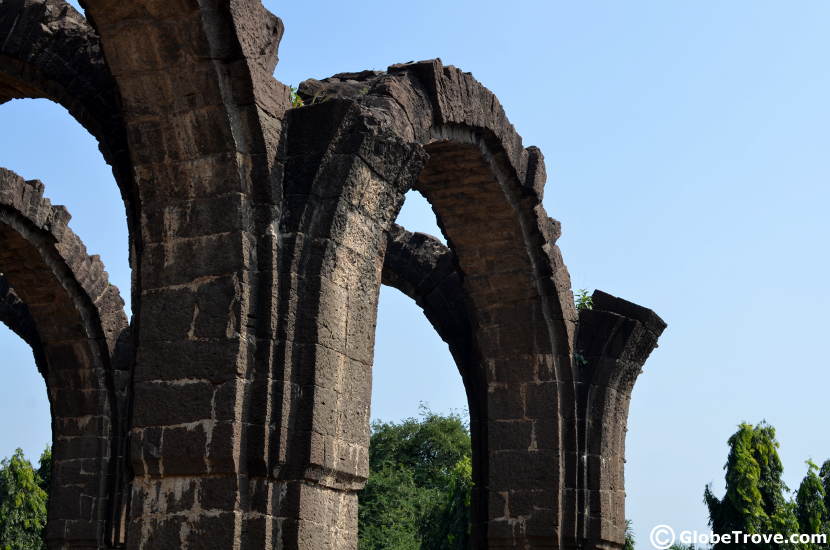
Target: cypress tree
{"type": "Point", "coordinates": [754, 501]}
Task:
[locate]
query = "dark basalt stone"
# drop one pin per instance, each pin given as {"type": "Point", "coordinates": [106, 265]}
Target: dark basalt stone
{"type": "Point", "coordinates": [234, 411]}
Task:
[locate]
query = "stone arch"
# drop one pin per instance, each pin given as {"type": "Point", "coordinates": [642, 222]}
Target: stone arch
{"type": "Point", "coordinates": [614, 339]}
{"type": "Point", "coordinates": [59, 300]}
{"type": "Point", "coordinates": [437, 130]}
{"type": "Point", "coordinates": [421, 267]}
{"type": "Point", "coordinates": [49, 50]}
{"type": "Point", "coordinates": [258, 253]}
{"type": "Point", "coordinates": [518, 369]}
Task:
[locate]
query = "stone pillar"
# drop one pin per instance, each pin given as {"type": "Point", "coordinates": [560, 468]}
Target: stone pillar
{"type": "Point", "coordinates": [614, 340]}
{"type": "Point", "coordinates": [344, 185]}
{"type": "Point", "coordinates": [202, 115]}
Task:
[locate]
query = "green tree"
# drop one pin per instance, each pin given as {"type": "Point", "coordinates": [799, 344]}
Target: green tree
{"type": "Point", "coordinates": [22, 505]}
{"type": "Point", "coordinates": [629, 535]}
{"type": "Point", "coordinates": [447, 523]}
{"type": "Point", "coordinates": [430, 447]}
{"type": "Point", "coordinates": [418, 492]}
{"type": "Point", "coordinates": [810, 505]}
{"type": "Point", "coordinates": [810, 508]}
{"type": "Point", "coordinates": [390, 508]}
{"type": "Point", "coordinates": [824, 475]}
{"type": "Point", "coordinates": [754, 501]}
{"type": "Point", "coordinates": [44, 470]}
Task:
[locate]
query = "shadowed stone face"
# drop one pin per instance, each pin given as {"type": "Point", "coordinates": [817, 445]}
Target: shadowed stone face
{"type": "Point", "coordinates": [234, 411]}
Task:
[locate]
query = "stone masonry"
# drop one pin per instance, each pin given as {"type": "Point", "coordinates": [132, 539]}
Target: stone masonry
{"type": "Point", "coordinates": [232, 412]}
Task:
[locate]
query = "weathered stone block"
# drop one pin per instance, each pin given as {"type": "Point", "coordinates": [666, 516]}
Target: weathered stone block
{"type": "Point", "coordinates": [172, 403]}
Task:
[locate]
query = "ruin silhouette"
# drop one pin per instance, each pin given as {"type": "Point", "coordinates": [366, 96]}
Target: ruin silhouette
{"type": "Point", "coordinates": [232, 412]}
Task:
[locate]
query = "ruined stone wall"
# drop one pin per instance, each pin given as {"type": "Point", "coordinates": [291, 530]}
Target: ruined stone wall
{"type": "Point", "coordinates": [234, 411]}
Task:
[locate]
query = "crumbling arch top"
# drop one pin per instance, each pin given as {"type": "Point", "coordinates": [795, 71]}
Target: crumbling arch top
{"type": "Point", "coordinates": [49, 50]}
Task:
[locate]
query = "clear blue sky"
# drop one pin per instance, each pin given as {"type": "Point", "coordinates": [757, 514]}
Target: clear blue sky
{"type": "Point", "coordinates": [687, 152]}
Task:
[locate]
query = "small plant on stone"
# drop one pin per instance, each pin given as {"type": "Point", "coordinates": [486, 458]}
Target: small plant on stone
{"type": "Point", "coordinates": [583, 299]}
{"type": "Point", "coordinates": [296, 100]}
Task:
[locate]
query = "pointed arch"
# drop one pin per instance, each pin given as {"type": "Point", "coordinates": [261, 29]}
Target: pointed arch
{"type": "Point", "coordinates": [59, 300]}
{"type": "Point", "coordinates": [49, 50]}
{"type": "Point", "coordinates": [486, 191]}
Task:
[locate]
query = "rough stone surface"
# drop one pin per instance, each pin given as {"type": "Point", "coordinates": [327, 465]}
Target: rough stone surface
{"type": "Point", "coordinates": [58, 299]}
{"type": "Point", "coordinates": [234, 411]}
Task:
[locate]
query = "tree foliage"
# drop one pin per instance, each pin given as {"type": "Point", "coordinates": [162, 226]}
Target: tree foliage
{"type": "Point", "coordinates": [390, 508]}
{"type": "Point", "coordinates": [629, 535]}
{"type": "Point", "coordinates": [44, 470]}
{"type": "Point", "coordinates": [810, 508]}
{"type": "Point", "coordinates": [23, 501]}
{"type": "Point", "coordinates": [446, 525]}
{"type": "Point", "coordinates": [418, 492]}
{"type": "Point", "coordinates": [755, 499]}
{"type": "Point", "coordinates": [824, 475]}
